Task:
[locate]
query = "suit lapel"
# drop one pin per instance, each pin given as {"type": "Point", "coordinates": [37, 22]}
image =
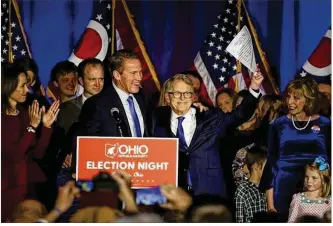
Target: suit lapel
{"type": "Point", "coordinates": [116, 102]}
{"type": "Point", "coordinates": [197, 132]}
{"type": "Point", "coordinates": [164, 121]}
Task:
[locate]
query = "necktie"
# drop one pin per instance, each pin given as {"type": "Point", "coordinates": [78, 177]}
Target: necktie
{"type": "Point", "coordinates": [181, 137]}
{"type": "Point", "coordinates": [134, 117]}
{"type": "Point", "coordinates": [180, 131]}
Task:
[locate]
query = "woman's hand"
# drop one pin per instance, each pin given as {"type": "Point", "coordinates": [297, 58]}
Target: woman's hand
{"type": "Point", "coordinates": [35, 114]}
{"type": "Point", "coordinates": [51, 114]}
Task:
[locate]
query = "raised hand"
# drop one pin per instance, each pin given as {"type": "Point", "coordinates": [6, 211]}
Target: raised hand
{"type": "Point", "coordinates": [125, 193]}
{"type": "Point", "coordinates": [66, 195]}
{"type": "Point", "coordinates": [35, 114]}
{"type": "Point", "coordinates": [178, 199]}
{"type": "Point", "coordinates": [256, 79]}
{"type": "Point", "coordinates": [50, 116]}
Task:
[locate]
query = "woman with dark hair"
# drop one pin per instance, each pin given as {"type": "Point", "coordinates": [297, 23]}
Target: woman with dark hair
{"type": "Point", "coordinates": [23, 140]}
{"type": "Point", "coordinates": [294, 140]}
{"type": "Point", "coordinates": [224, 99]}
{"type": "Point", "coordinates": [36, 90]}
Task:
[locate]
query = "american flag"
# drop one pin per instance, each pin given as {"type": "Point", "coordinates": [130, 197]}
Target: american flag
{"type": "Point", "coordinates": [13, 40]}
{"type": "Point", "coordinates": [14, 43]}
{"type": "Point", "coordinates": [318, 66]}
{"type": "Point", "coordinates": [215, 65]}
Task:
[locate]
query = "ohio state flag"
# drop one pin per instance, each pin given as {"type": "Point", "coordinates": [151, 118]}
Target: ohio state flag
{"type": "Point", "coordinates": [318, 66]}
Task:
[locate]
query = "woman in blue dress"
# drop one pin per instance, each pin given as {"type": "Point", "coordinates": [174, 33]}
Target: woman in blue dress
{"type": "Point", "coordinates": [295, 140]}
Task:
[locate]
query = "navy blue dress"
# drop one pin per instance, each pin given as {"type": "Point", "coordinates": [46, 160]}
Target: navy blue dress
{"type": "Point", "coordinates": [289, 150]}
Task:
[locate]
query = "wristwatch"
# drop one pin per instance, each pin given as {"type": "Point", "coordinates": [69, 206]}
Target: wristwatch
{"type": "Point", "coordinates": [31, 129]}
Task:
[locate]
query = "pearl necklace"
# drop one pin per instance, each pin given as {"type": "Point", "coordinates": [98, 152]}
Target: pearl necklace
{"type": "Point", "coordinates": [292, 119]}
{"type": "Point", "coordinates": [14, 113]}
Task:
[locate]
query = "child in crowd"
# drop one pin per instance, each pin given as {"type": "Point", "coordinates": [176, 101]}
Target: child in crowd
{"type": "Point", "coordinates": [315, 199]}
{"type": "Point", "coordinates": [248, 199]}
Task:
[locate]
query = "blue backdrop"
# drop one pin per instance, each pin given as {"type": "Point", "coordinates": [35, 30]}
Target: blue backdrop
{"type": "Point", "coordinates": [173, 31]}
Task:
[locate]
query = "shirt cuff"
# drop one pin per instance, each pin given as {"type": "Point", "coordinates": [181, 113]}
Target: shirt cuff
{"type": "Point", "coordinates": [254, 93]}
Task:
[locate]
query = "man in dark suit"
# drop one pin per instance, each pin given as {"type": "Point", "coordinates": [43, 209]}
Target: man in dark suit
{"type": "Point", "coordinates": [199, 133]}
{"type": "Point", "coordinates": [120, 110]}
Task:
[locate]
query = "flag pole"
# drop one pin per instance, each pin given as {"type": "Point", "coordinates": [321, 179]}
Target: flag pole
{"type": "Point", "coordinates": [142, 47]}
{"type": "Point", "coordinates": [239, 65]}
{"type": "Point", "coordinates": [10, 50]}
{"type": "Point", "coordinates": [260, 51]}
{"type": "Point", "coordinates": [17, 11]}
{"type": "Point", "coordinates": [18, 15]}
{"type": "Point", "coordinates": [113, 28]}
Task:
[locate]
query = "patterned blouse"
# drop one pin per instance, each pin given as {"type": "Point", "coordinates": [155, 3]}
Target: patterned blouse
{"type": "Point", "coordinates": [238, 165]}
{"type": "Point", "coordinates": [301, 206]}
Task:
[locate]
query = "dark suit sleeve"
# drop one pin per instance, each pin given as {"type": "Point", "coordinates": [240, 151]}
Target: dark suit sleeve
{"type": "Point", "coordinates": [240, 115]}
{"type": "Point", "coordinates": [68, 114]}
{"type": "Point", "coordinates": [90, 119]}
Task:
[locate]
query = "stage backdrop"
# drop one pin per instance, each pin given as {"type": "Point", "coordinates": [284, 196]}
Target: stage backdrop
{"type": "Point", "coordinates": [173, 31]}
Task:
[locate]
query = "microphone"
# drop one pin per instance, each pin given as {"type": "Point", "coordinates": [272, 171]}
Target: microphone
{"type": "Point", "coordinates": [115, 114]}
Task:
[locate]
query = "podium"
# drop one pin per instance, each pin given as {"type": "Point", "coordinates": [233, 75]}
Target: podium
{"type": "Point", "coordinates": [149, 161]}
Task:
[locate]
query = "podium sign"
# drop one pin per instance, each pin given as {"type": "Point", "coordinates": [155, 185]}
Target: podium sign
{"type": "Point", "coordinates": [149, 161]}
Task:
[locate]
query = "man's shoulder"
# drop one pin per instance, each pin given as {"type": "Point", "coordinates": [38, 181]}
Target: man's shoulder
{"type": "Point", "coordinates": [162, 111]}
{"type": "Point", "coordinates": [102, 98]}
{"type": "Point", "coordinates": [211, 113]}
{"type": "Point", "coordinates": [244, 188]}
{"type": "Point", "coordinates": [71, 104]}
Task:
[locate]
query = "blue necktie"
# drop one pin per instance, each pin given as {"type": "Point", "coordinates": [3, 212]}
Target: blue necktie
{"type": "Point", "coordinates": [181, 137]}
{"type": "Point", "coordinates": [134, 117]}
{"type": "Point", "coordinates": [180, 132]}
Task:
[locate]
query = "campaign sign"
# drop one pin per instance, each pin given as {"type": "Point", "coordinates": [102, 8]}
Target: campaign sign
{"type": "Point", "coordinates": [149, 161]}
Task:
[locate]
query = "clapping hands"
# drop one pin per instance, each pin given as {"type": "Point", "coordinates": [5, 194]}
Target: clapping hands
{"type": "Point", "coordinates": [37, 114]}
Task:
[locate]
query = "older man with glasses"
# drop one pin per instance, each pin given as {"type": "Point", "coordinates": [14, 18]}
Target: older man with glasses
{"type": "Point", "coordinates": [199, 169]}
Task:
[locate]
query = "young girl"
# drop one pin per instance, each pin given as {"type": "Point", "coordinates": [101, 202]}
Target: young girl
{"type": "Point", "coordinates": [315, 200]}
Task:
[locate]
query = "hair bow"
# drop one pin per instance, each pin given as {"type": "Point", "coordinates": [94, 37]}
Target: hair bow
{"type": "Point", "coordinates": [323, 165]}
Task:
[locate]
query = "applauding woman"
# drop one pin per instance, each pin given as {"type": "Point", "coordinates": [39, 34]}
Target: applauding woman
{"type": "Point", "coordinates": [23, 140]}
{"type": "Point", "coordinates": [294, 141]}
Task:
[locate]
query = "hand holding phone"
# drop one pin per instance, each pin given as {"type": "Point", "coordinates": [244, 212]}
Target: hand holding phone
{"type": "Point", "coordinates": [178, 198]}
{"type": "Point", "coordinates": [150, 196]}
{"type": "Point", "coordinates": [87, 186]}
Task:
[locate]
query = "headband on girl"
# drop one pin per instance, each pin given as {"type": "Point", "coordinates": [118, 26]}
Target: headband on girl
{"type": "Point", "coordinates": [323, 165]}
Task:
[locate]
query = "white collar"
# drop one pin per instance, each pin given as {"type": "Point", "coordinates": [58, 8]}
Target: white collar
{"type": "Point", "coordinates": [189, 114]}
{"type": "Point", "coordinates": [121, 93]}
{"type": "Point", "coordinates": [84, 98]}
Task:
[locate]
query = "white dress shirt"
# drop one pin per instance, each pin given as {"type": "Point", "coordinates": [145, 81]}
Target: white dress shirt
{"type": "Point", "coordinates": [84, 98]}
{"type": "Point", "coordinates": [123, 97]}
{"type": "Point", "coordinates": [189, 124]}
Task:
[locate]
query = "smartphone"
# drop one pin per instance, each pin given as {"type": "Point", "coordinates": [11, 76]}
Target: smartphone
{"type": "Point", "coordinates": [150, 196]}
{"type": "Point", "coordinates": [87, 186]}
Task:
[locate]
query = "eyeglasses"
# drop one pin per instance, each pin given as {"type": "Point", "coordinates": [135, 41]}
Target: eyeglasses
{"type": "Point", "coordinates": [177, 95]}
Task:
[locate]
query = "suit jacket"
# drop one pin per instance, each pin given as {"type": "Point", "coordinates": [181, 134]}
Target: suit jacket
{"type": "Point", "coordinates": [202, 156]}
{"type": "Point", "coordinates": [60, 144]}
{"type": "Point", "coordinates": [69, 113]}
{"type": "Point", "coordinates": [96, 119]}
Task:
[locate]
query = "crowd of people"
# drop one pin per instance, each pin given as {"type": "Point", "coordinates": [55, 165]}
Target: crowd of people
{"type": "Point", "coordinates": [254, 158]}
